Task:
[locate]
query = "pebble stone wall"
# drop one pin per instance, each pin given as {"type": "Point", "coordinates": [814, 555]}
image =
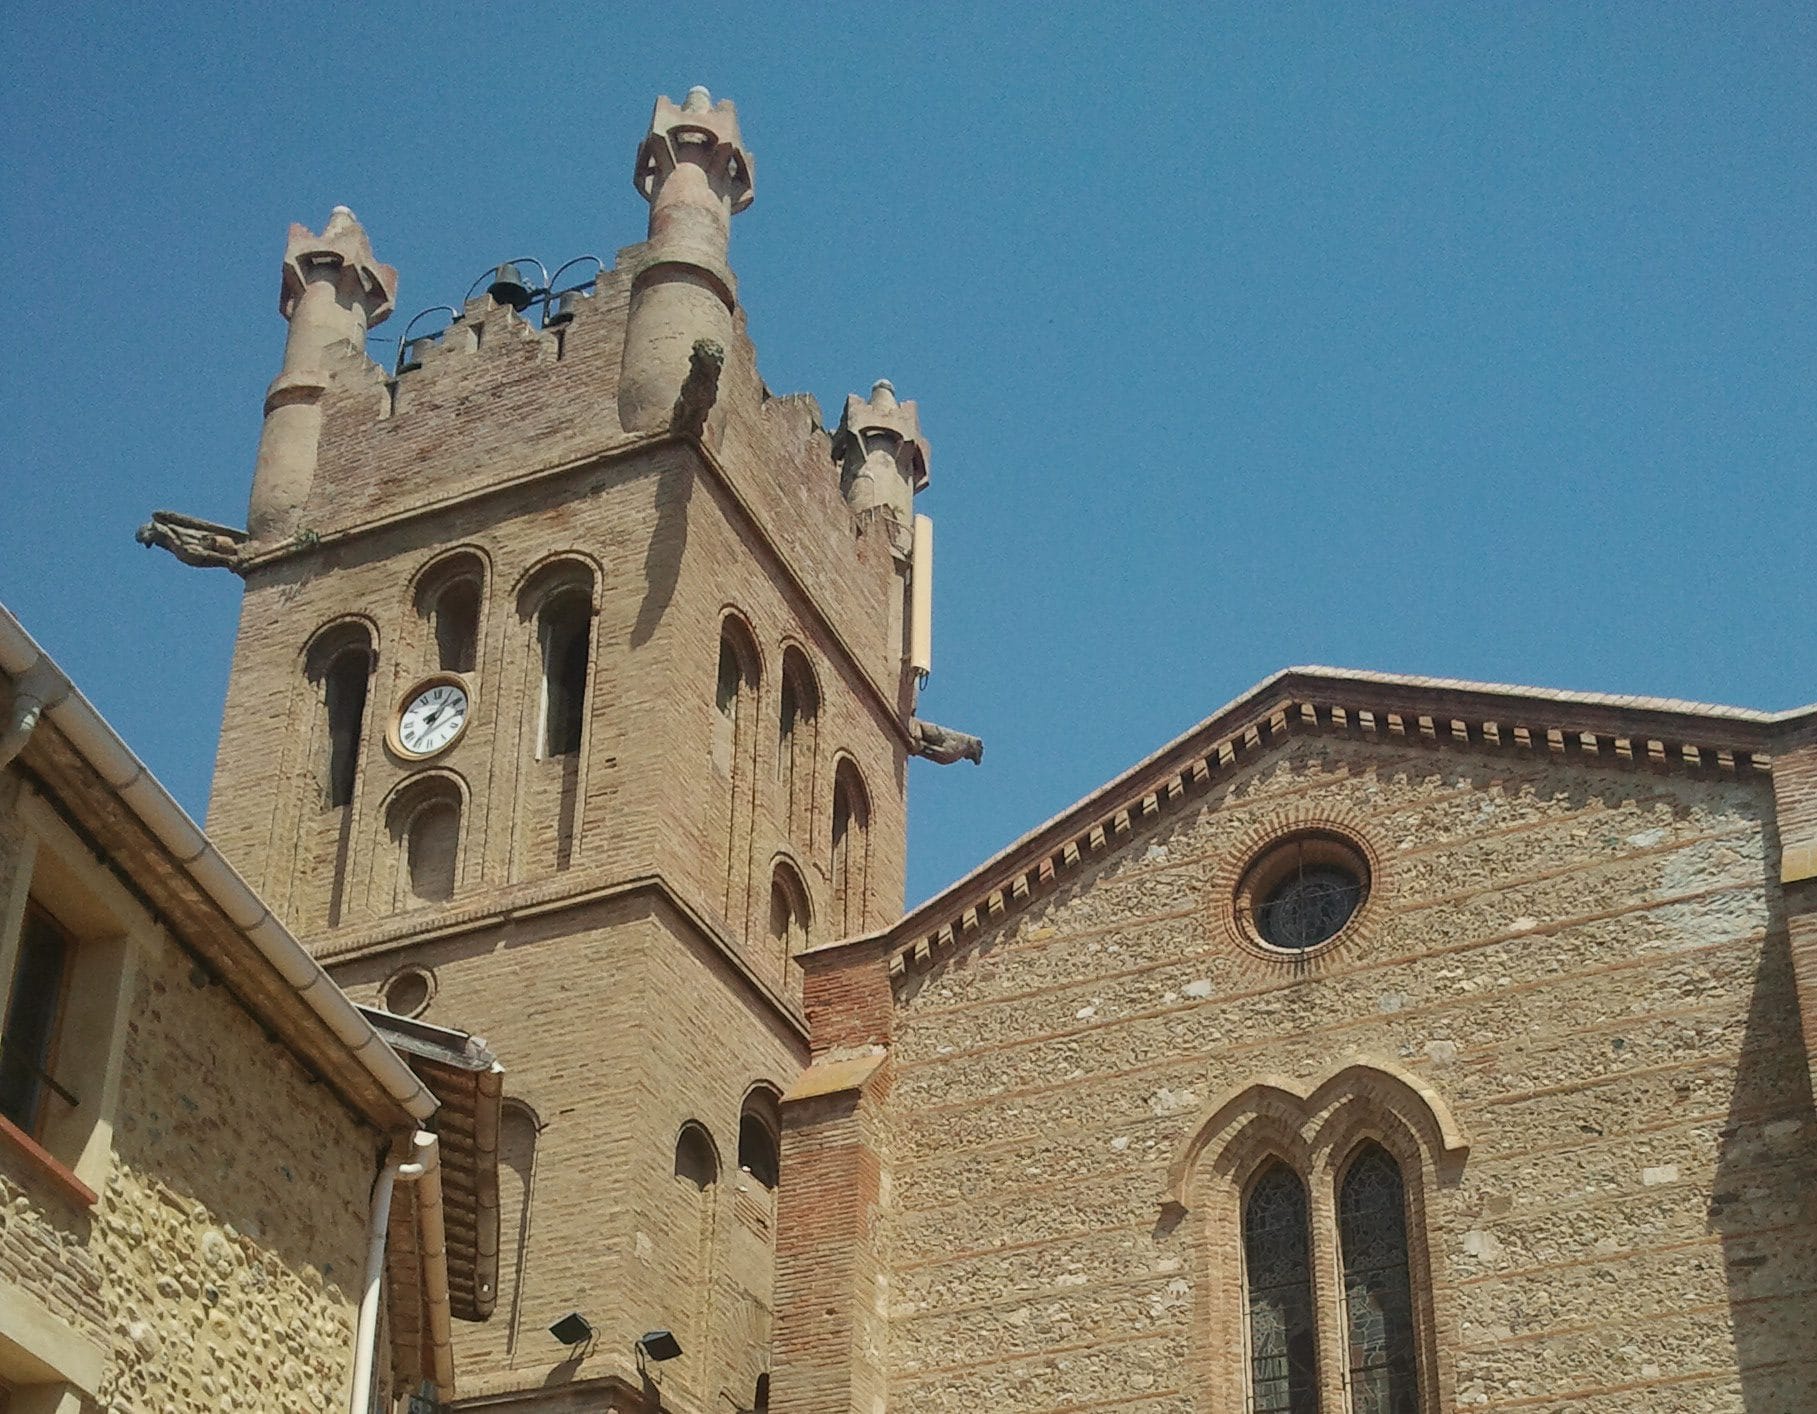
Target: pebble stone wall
{"type": "Point", "coordinates": [220, 1265]}
{"type": "Point", "coordinates": [1589, 968]}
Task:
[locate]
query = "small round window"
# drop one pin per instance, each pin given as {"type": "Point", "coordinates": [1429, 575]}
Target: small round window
{"type": "Point", "coordinates": [407, 993]}
{"type": "Point", "coordinates": [1303, 891]}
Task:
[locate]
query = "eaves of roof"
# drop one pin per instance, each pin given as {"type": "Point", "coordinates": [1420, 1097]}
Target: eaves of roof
{"type": "Point", "coordinates": [1656, 733]}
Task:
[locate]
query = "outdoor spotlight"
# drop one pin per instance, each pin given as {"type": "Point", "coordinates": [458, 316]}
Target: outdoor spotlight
{"type": "Point", "coordinates": [572, 1329]}
{"type": "Point", "coordinates": [659, 1345]}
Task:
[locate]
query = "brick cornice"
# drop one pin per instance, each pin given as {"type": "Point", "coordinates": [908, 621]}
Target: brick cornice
{"type": "Point", "coordinates": [540, 900]}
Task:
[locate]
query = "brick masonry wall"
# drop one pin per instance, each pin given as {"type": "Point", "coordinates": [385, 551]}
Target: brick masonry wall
{"type": "Point", "coordinates": [1589, 967]}
{"type": "Point", "coordinates": [618, 1025]}
{"type": "Point", "coordinates": [670, 557]}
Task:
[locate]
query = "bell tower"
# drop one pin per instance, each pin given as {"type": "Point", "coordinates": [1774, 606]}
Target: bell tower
{"type": "Point", "coordinates": [572, 699]}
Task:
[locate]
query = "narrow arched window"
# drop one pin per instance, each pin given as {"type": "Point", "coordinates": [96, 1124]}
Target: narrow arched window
{"type": "Point", "coordinates": [455, 615]}
{"type": "Point", "coordinates": [1378, 1291]}
{"type": "Point", "coordinates": [1277, 1287]}
{"type": "Point", "coordinates": [564, 630]}
{"type": "Point", "coordinates": [695, 1162]}
{"type": "Point", "coordinates": [344, 702]}
{"type": "Point", "coordinates": [758, 1149]}
{"type": "Point", "coordinates": [850, 849]}
{"type": "Point", "coordinates": [734, 760]}
{"type": "Point", "coordinates": [797, 722]}
{"type": "Point", "coordinates": [431, 848]}
{"type": "Point", "coordinates": [788, 917]}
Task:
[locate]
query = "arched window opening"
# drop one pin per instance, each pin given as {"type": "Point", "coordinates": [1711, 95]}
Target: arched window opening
{"type": "Point", "coordinates": [1378, 1291]}
{"type": "Point", "coordinates": [431, 849]}
{"type": "Point", "coordinates": [344, 701]}
{"type": "Point", "coordinates": [696, 1163]}
{"type": "Point", "coordinates": [454, 614]}
{"type": "Point", "coordinates": [798, 714]}
{"type": "Point", "coordinates": [734, 760]}
{"type": "Point", "coordinates": [788, 918]}
{"type": "Point", "coordinates": [758, 1146]}
{"type": "Point", "coordinates": [851, 849]}
{"type": "Point", "coordinates": [564, 636]}
{"type": "Point", "coordinates": [1277, 1285]}
{"type": "Point", "coordinates": [760, 1401]}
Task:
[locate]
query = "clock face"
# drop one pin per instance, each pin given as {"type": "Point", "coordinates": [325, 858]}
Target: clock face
{"type": "Point", "coordinates": [432, 718]}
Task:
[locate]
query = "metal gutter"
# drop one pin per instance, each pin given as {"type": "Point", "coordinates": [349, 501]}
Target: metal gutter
{"type": "Point", "coordinates": [129, 779]}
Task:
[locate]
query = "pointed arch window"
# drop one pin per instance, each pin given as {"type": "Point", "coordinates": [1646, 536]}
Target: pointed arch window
{"type": "Point", "coordinates": [1277, 1287]}
{"type": "Point", "coordinates": [734, 759]}
{"type": "Point", "coordinates": [1378, 1288]}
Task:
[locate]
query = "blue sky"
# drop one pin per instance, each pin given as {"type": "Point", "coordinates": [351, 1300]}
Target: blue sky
{"type": "Point", "coordinates": [1477, 341]}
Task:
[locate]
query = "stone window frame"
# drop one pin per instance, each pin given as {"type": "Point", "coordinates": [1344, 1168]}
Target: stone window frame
{"type": "Point", "coordinates": [1315, 1128]}
{"type": "Point", "coordinates": [1235, 876]}
{"type": "Point", "coordinates": [58, 873]}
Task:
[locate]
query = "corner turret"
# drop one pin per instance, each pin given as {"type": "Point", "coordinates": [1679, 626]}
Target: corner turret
{"type": "Point", "coordinates": [334, 291]}
{"type": "Point", "coordinates": [693, 169]}
{"type": "Point", "coordinates": [882, 460]}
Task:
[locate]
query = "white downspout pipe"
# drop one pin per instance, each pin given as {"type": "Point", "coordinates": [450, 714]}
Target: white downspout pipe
{"type": "Point", "coordinates": [366, 1330]}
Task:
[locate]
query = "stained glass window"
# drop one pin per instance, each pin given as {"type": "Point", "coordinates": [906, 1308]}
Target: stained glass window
{"type": "Point", "coordinates": [1283, 1356]}
{"type": "Point", "coordinates": [1378, 1299]}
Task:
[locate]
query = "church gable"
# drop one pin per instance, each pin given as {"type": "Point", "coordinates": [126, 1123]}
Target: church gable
{"type": "Point", "coordinates": [1563, 1006]}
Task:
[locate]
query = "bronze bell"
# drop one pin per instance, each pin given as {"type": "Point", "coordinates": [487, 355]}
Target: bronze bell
{"type": "Point", "coordinates": [510, 287]}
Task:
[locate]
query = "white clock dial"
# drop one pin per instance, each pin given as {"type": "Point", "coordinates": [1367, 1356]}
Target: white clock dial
{"type": "Point", "coordinates": [432, 719]}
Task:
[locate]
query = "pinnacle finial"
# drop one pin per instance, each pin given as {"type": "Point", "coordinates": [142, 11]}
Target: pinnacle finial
{"type": "Point", "coordinates": [883, 394]}
{"type": "Point", "coordinates": [699, 100]}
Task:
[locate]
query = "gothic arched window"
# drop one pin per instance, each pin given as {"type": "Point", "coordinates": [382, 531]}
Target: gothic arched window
{"type": "Point", "coordinates": [1378, 1290]}
{"type": "Point", "coordinates": [1277, 1287]}
{"type": "Point", "coordinates": [734, 758]}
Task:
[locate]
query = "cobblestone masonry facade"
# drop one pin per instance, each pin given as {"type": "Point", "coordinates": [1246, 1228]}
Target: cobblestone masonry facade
{"type": "Point", "coordinates": [218, 1264]}
{"type": "Point", "coordinates": [1584, 972]}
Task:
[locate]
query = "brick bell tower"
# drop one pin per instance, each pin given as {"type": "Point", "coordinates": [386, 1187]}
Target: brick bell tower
{"type": "Point", "coordinates": [572, 699]}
